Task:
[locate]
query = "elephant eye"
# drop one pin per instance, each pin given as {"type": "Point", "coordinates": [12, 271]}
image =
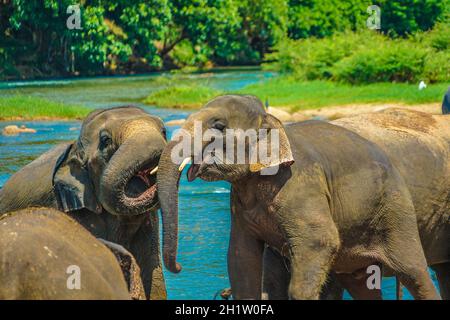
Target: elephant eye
{"type": "Point", "coordinates": [105, 141]}
{"type": "Point", "coordinates": [219, 125]}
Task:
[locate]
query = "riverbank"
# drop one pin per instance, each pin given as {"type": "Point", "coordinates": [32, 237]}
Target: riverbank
{"type": "Point", "coordinates": [290, 100]}
{"type": "Point", "coordinates": [23, 108]}
{"type": "Point", "coordinates": [293, 96]}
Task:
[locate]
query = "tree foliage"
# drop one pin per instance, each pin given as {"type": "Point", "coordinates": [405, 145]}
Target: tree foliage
{"type": "Point", "coordinates": [120, 36]}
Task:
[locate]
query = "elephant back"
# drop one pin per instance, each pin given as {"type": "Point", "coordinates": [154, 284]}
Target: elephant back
{"type": "Point", "coordinates": [32, 185]}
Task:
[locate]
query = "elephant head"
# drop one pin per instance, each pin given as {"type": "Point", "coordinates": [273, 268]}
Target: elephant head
{"type": "Point", "coordinates": [112, 165]}
{"type": "Point", "coordinates": [224, 114]}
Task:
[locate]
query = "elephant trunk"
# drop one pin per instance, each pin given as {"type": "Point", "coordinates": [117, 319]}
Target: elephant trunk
{"type": "Point", "coordinates": [127, 187]}
{"type": "Point", "coordinates": [168, 179]}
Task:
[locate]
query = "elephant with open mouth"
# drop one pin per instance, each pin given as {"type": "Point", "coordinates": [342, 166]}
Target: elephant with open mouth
{"type": "Point", "coordinates": [336, 202]}
{"type": "Point", "coordinates": [106, 180]}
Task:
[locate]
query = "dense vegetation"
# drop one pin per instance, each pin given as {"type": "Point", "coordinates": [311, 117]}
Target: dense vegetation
{"type": "Point", "coordinates": [124, 36]}
{"type": "Point", "coordinates": [18, 107]}
{"type": "Point", "coordinates": [367, 57]}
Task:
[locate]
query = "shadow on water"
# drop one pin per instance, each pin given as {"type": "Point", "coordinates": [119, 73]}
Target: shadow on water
{"type": "Point", "coordinates": [204, 207]}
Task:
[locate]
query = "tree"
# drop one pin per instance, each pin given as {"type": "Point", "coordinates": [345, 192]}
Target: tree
{"type": "Point", "coordinates": [229, 32]}
{"type": "Point", "coordinates": [322, 18]}
{"type": "Point", "coordinates": [401, 17]}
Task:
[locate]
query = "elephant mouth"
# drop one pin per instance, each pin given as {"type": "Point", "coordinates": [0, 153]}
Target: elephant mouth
{"type": "Point", "coordinates": [206, 171]}
{"type": "Point", "coordinates": [141, 187]}
{"type": "Point", "coordinates": [193, 172]}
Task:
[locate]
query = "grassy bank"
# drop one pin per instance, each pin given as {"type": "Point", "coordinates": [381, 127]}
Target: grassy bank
{"type": "Point", "coordinates": [316, 94]}
{"type": "Point", "coordinates": [182, 97]}
{"type": "Point", "coordinates": [297, 95]}
{"type": "Point", "coordinates": [33, 108]}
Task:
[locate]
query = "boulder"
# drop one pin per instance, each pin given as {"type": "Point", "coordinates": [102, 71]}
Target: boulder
{"type": "Point", "coordinates": [15, 130]}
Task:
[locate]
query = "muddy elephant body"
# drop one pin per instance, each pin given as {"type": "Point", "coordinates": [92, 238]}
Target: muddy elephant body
{"type": "Point", "coordinates": [104, 181]}
{"type": "Point", "coordinates": [47, 255]}
{"type": "Point", "coordinates": [418, 145]}
{"type": "Point", "coordinates": [336, 202]}
{"type": "Point", "coordinates": [425, 139]}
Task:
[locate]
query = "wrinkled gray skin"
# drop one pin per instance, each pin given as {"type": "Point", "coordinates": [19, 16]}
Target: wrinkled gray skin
{"type": "Point", "coordinates": [38, 245]}
{"type": "Point", "coordinates": [393, 121]}
{"type": "Point", "coordinates": [103, 181]}
{"type": "Point", "coordinates": [337, 204]}
{"type": "Point", "coordinates": [130, 269]}
{"type": "Point", "coordinates": [418, 145]}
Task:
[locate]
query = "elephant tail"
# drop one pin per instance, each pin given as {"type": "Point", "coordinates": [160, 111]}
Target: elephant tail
{"type": "Point", "coordinates": [446, 103]}
{"type": "Point", "coordinates": [398, 291]}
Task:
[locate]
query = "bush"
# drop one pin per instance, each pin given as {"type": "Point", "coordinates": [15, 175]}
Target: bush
{"type": "Point", "coordinates": [437, 67]}
{"type": "Point", "coordinates": [439, 37]}
{"type": "Point", "coordinates": [185, 54]}
{"type": "Point", "coordinates": [366, 56]}
{"type": "Point", "coordinates": [310, 59]}
{"type": "Point", "coordinates": [397, 61]}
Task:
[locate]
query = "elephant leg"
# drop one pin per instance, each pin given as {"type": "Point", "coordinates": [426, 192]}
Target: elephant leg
{"type": "Point", "coordinates": [276, 275]}
{"type": "Point", "coordinates": [245, 254]}
{"type": "Point", "coordinates": [332, 289]}
{"type": "Point", "coordinates": [403, 253]}
{"type": "Point", "coordinates": [443, 276]}
{"type": "Point", "coordinates": [400, 249]}
{"type": "Point", "coordinates": [310, 268]}
{"type": "Point", "coordinates": [145, 248]}
{"type": "Point", "coordinates": [313, 241]}
{"type": "Point", "coordinates": [357, 287]}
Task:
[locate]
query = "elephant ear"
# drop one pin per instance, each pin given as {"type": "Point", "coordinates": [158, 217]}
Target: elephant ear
{"type": "Point", "coordinates": [269, 165]}
{"type": "Point", "coordinates": [71, 184]}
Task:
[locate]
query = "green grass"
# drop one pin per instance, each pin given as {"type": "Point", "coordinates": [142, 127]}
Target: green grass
{"type": "Point", "coordinates": [287, 92]}
{"type": "Point", "coordinates": [297, 95]}
{"type": "Point", "coordinates": [182, 97]}
{"type": "Point", "coordinates": [20, 107]}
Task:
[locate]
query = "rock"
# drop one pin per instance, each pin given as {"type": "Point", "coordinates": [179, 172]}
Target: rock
{"type": "Point", "coordinates": [176, 122]}
{"type": "Point", "coordinates": [280, 114]}
{"type": "Point", "coordinates": [298, 116]}
{"type": "Point", "coordinates": [15, 130]}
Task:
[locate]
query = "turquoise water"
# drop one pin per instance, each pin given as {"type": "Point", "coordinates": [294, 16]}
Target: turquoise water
{"type": "Point", "coordinates": [204, 207]}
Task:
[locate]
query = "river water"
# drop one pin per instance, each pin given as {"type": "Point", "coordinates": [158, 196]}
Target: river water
{"type": "Point", "coordinates": [204, 207]}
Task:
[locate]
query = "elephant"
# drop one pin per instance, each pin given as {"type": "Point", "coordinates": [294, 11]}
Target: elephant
{"type": "Point", "coordinates": [130, 269]}
{"type": "Point", "coordinates": [333, 203]}
{"type": "Point", "coordinates": [105, 180]}
{"type": "Point", "coordinates": [425, 138]}
{"type": "Point", "coordinates": [42, 253]}
{"type": "Point", "coordinates": [446, 103]}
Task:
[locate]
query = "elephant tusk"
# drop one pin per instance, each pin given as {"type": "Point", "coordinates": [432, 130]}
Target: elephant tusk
{"type": "Point", "coordinates": [154, 170]}
{"type": "Point", "coordinates": [184, 163]}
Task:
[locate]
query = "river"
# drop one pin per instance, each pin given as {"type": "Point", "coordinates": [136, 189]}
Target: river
{"type": "Point", "coordinates": [204, 207]}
